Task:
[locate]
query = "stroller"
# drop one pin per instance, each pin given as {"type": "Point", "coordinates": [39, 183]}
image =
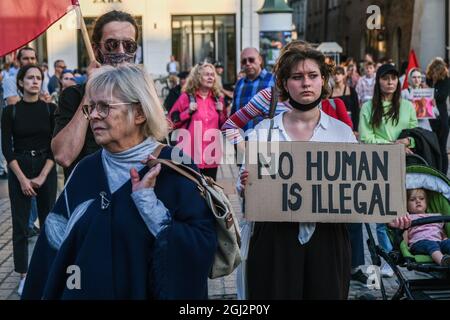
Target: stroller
{"type": "Point", "coordinates": [437, 287]}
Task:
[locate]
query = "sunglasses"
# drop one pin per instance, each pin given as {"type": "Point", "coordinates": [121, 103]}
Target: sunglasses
{"type": "Point", "coordinates": [62, 67]}
{"type": "Point", "coordinates": [250, 60]}
{"type": "Point", "coordinates": [130, 46]}
{"type": "Point", "coordinates": [102, 109]}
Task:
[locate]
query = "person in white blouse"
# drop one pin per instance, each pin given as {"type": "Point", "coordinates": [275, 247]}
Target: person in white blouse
{"type": "Point", "coordinates": [298, 260]}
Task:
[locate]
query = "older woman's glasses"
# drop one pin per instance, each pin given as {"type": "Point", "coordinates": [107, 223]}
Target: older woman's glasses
{"type": "Point", "coordinates": [111, 45]}
{"type": "Point", "coordinates": [102, 109]}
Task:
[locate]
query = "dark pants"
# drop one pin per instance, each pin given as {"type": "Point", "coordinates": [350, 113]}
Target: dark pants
{"type": "Point", "coordinates": [355, 232]}
{"type": "Point", "coordinates": [21, 204]}
{"type": "Point", "coordinates": [429, 247]}
{"type": "Point", "coordinates": [279, 267]}
{"type": "Point", "coordinates": [441, 128]}
{"type": "Point", "coordinates": [210, 172]}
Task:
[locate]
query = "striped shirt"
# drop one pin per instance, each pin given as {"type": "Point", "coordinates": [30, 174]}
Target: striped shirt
{"type": "Point", "coordinates": [259, 105]}
{"type": "Point", "coordinates": [246, 89]}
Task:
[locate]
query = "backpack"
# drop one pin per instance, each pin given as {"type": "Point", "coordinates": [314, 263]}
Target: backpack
{"type": "Point", "coordinates": [228, 254]}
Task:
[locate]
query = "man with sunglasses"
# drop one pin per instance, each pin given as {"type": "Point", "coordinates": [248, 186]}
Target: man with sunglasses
{"type": "Point", "coordinates": [256, 78]}
{"type": "Point", "coordinates": [114, 41]}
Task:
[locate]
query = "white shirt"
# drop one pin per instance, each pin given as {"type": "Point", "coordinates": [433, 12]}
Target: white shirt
{"type": "Point", "coordinates": [327, 130]}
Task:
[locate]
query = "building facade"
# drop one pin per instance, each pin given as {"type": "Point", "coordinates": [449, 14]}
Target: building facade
{"type": "Point", "coordinates": [422, 25]}
{"type": "Point", "coordinates": [346, 22]}
{"type": "Point", "coordinates": [192, 30]}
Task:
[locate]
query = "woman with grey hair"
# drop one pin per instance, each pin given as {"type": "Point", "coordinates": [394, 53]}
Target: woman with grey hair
{"type": "Point", "coordinates": [122, 230]}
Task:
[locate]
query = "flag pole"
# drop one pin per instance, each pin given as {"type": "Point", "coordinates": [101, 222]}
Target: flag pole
{"type": "Point", "coordinates": [85, 34]}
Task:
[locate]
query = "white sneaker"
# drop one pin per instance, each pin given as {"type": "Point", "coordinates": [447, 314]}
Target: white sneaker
{"type": "Point", "coordinates": [21, 284]}
{"type": "Point", "coordinates": [386, 271]}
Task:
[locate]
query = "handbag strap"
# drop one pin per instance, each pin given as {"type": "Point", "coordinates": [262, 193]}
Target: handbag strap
{"type": "Point", "coordinates": [273, 101]}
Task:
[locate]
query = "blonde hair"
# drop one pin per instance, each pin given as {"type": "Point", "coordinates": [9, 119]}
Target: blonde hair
{"type": "Point", "coordinates": [193, 80]}
{"type": "Point", "coordinates": [437, 70]}
{"type": "Point", "coordinates": [131, 83]}
{"type": "Point", "coordinates": [413, 192]}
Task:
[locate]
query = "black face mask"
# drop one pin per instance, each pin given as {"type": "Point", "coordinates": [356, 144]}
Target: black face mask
{"type": "Point", "coordinates": [114, 59]}
{"type": "Point", "coordinates": [304, 107]}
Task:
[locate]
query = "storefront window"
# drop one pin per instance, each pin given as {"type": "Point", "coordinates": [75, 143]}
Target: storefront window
{"type": "Point", "coordinates": [209, 38]}
{"type": "Point", "coordinates": [83, 58]}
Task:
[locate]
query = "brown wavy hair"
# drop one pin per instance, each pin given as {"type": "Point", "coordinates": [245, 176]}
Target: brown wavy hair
{"type": "Point", "coordinates": [290, 56]}
{"type": "Point", "coordinates": [437, 70]}
{"type": "Point", "coordinates": [193, 80]}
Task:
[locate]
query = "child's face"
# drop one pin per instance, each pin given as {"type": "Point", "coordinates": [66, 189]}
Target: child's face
{"type": "Point", "coordinates": [417, 202]}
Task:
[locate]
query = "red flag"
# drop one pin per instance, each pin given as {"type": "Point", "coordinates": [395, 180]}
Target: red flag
{"type": "Point", "coordinates": [23, 21]}
{"type": "Point", "coordinates": [412, 63]}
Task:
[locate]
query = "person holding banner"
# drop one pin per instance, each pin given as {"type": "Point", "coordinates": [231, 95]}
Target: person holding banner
{"type": "Point", "coordinates": [299, 260]}
{"type": "Point", "coordinates": [414, 83]}
{"type": "Point", "coordinates": [382, 119]}
{"type": "Point", "coordinates": [114, 42]}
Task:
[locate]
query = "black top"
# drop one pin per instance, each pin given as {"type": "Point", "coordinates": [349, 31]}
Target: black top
{"type": "Point", "coordinates": [69, 102]}
{"type": "Point", "coordinates": [172, 97]}
{"type": "Point", "coordinates": [352, 104]}
{"type": "Point", "coordinates": [441, 93]}
{"type": "Point", "coordinates": [30, 127]}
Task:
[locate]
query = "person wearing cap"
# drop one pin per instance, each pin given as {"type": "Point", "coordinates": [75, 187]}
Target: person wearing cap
{"type": "Point", "coordinates": [175, 92]}
{"type": "Point", "coordinates": [381, 120]}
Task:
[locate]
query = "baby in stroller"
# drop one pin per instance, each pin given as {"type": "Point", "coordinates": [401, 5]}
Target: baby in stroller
{"type": "Point", "coordinates": [430, 238]}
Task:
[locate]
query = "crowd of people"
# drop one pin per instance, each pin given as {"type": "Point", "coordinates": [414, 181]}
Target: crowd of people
{"type": "Point", "coordinates": [118, 215]}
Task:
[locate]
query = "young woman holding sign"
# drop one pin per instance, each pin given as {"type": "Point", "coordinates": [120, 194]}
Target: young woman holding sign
{"type": "Point", "coordinates": [288, 260]}
{"type": "Point", "coordinates": [382, 119]}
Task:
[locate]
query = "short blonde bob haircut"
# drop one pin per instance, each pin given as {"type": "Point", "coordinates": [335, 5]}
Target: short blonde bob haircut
{"type": "Point", "coordinates": [130, 82]}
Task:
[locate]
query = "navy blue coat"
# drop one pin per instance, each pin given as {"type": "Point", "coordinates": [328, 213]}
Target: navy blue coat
{"type": "Point", "coordinates": [117, 255]}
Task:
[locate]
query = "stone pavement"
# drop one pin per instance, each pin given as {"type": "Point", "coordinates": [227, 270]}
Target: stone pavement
{"type": "Point", "coordinates": [222, 288]}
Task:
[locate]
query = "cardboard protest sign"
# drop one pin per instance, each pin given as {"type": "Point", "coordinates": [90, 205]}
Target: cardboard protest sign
{"type": "Point", "coordinates": [324, 182]}
{"type": "Point", "coordinates": [422, 100]}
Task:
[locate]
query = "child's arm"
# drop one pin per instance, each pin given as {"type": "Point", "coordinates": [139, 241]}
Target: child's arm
{"type": "Point", "coordinates": [405, 237]}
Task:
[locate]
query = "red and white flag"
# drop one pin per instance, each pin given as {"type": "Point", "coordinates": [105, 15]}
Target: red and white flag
{"type": "Point", "coordinates": [412, 63]}
{"type": "Point", "coordinates": [22, 21]}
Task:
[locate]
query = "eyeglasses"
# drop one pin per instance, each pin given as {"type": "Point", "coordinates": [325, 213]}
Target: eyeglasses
{"type": "Point", "coordinates": [62, 67]}
{"type": "Point", "coordinates": [250, 60]}
{"type": "Point", "coordinates": [102, 109]}
{"type": "Point", "coordinates": [130, 46]}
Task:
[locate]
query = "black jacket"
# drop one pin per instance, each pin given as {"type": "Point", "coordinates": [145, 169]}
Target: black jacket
{"type": "Point", "coordinates": [427, 145]}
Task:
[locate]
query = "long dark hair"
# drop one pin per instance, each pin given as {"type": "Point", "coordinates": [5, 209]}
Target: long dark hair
{"type": "Point", "coordinates": [377, 105]}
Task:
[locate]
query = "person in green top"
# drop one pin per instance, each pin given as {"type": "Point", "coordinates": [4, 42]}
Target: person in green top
{"type": "Point", "coordinates": [381, 120]}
